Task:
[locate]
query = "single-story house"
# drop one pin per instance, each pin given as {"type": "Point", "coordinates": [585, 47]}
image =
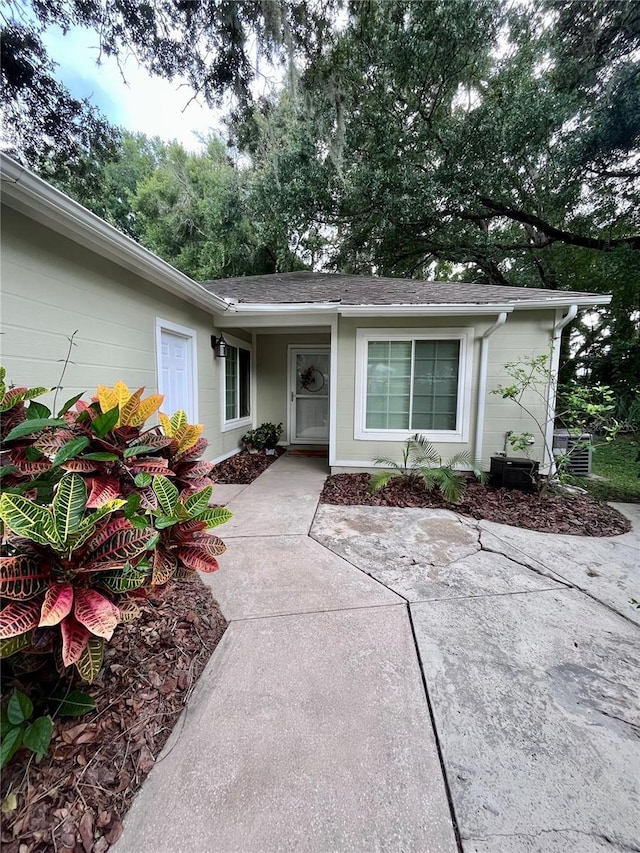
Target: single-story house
{"type": "Point", "coordinates": [352, 362]}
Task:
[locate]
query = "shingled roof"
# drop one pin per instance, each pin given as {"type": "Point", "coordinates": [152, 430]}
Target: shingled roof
{"type": "Point", "coordinates": [313, 287]}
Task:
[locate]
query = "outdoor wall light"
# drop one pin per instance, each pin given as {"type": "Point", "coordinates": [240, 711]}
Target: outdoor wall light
{"type": "Point", "coordinates": [219, 346]}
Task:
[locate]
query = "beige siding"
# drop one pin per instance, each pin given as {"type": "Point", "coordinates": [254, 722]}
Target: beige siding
{"type": "Point", "coordinates": [52, 286]}
{"type": "Point", "coordinates": [271, 360]}
{"type": "Point", "coordinates": [525, 333]}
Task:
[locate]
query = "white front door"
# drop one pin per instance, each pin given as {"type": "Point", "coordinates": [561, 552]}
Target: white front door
{"type": "Point", "coordinates": [309, 395]}
{"type": "Point", "coordinates": [176, 372]}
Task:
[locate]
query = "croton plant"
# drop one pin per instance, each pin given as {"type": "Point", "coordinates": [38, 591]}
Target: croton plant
{"type": "Point", "coordinates": [98, 508]}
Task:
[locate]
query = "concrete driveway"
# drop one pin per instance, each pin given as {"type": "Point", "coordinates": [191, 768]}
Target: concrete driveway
{"type": "Point", "coordinates": [404, 680]}
{"type": "Point", "coordinates": [530, 650]}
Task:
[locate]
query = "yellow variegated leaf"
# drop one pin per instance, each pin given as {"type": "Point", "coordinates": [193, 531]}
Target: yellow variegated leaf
{"type": "Point", "coordinates": [26, 518]}
{"type": "Point", "coordinates": [107, 398]}
{"type": "Point", "coordinates": [165, 422]}
{"type": "Point", "coordinates": [196, 431]}
{"type": "Point", "coordinates": [68, 505]}
{"type": "Point", "coordinates": [90, 661]}
{"type": "Point", "coordinates": [146, 409]}
{"type": "Point", "coordinates": [122, 393]}
{"type": "Point", "coordinates": [187, 435]}
{"type": "Point", "coordinates": [178, 419]}
{"type": "Point", "coordinates": [129, 409]}
{"type": "Point", "coordinates": [129, 611]}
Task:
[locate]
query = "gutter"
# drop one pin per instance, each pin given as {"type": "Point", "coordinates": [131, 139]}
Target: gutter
{"type": "Point", "coordinates": [425, 310]}
{"type": "Point", "coordinates": [482, 386]}
{"type": "Point", "coordinates": [569, 302]}
{"type": "Point", "coordinates": [28, 194]}
{"type": "Point", "coordinates": [281, 307]}
{"type": "Point", "coordinates": [553, 379]}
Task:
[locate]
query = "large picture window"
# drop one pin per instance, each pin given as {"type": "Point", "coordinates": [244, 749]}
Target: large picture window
{"type": "Point", "coordinates": [237, 386]}
{"type": "Point", "coordinates": [411, 381]}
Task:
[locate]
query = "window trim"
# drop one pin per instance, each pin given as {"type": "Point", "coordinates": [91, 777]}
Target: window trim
{"type": "Point", "coordinates": [235, 423]}
{"type": "Point", "coordinates": [192, 336]}
{"type": "Point", "coordinates": [463, 407]}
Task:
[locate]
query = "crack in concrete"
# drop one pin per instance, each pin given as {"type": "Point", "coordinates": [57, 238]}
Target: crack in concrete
{"type": "Point", "coordinates": [621, 845]}
{"type": "Point", "coordinates": [634, 726]}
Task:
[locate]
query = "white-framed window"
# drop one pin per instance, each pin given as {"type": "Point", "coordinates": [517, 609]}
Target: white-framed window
{"type": "Point", "coordinates": [413, 381]}
{"type": "Point", "coordinates": [236, 384]}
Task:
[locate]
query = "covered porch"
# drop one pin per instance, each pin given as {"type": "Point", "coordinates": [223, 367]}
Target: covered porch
{"type": "Point", "coordinates": [281, 369]}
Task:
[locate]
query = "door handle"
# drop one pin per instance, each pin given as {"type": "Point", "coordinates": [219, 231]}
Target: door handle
{"type": "Point", "coordinates": [293, 396]}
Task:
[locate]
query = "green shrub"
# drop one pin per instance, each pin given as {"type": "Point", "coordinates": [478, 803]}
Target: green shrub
{"type": "Point", "coordinates": [266, 436]}
{"type": "Point", "coordinates": [422, 463]}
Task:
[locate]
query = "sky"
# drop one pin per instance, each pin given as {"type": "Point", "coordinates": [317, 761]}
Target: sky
{"type": "Point", "coordinates": [139, 103]}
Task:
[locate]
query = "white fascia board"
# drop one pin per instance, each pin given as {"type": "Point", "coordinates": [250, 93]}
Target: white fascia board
{"type": "Point", "coordinates": [448, 310]}
{"type": "Point", "coordinates": [282, 307]}
{"type": "Point", "coordinates": [30, 195]}
{"type": "Point", "coordinates": [564, 302]}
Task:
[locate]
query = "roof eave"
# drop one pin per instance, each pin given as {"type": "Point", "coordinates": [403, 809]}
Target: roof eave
{"type": "Point", "coordinates": [28, 194]}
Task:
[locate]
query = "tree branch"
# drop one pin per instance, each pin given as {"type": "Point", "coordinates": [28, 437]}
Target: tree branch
{"type": "Point", "coordinates": [558, 234]}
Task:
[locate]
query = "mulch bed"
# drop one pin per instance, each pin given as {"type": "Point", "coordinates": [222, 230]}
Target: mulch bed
{"type": "Point", "coordinates": [552, 513]}
{"type": "Point", "coordinates": [74, 800]}
{"type": "Point", "coordinates": [244, 467]}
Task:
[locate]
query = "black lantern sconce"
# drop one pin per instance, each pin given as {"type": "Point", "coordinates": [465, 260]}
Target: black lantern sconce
{"type": "Point", "coordinates": [219, 346]}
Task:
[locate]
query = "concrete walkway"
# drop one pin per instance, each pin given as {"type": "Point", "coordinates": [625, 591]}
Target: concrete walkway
{"type": "Point", "coordinates": [312, 727]}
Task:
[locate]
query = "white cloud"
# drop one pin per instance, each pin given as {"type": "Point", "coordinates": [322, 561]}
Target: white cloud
{"type": "Point", "coordinates": [139, 102]}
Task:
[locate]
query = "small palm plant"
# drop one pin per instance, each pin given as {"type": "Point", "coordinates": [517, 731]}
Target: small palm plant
{"type": "Point", "coordinates": [422, 462]}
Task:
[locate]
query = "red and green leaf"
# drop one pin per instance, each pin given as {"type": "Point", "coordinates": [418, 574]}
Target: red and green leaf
{"type": "Point", "coordinates": [18, 617]}
{"type": "Point", "coordinates": [22, 577]}
{"type": "Point", "coordinates": [56, 605]}
{"type": "Point", "coordinates": [124, 544]}
{"type": "Point", "coordinates": [197, 559]}
{"type": "Point", "coordinates": [106, 529]}
{"type": "Point", "coordinates": [18, 395]}
{"type": "Point", "coordinates": [74, 640]}
{"type": "Point", "coordinates": [103, 490]}
{"type": "Point", "coordinates": [79, 466]}
{"type": "Point", "coordinates": [196, 470]}
{"type": "Point", "coordinates": [164, 566]}
{"type": "Point", "coordinates": [95, 612]}
{"type": "Point", "coordinates": [150, 466]}
{"type": "Point", "coordinates": [124, 579]}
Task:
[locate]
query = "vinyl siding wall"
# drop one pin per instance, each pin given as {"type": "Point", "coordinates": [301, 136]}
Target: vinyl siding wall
{"type": "Point", "coordinates": [52, 286]}
{"type": "Point", "coordinates": [525, 333]}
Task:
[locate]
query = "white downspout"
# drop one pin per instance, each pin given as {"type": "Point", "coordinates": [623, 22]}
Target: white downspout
{"type": "Point", "coordinates": [553, 378]}
{"type": "Point", "coordinates": [482, 386]}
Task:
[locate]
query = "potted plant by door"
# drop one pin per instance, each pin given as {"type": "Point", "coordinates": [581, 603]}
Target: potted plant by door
{"type": "Point", "coordinates": [266, 437]}
{"type": "Point", "coordinates": [248, 441]}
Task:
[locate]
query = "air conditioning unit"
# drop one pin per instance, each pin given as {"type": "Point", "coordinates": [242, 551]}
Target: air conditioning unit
{"type": "Point", "coordinates": [564, 442]}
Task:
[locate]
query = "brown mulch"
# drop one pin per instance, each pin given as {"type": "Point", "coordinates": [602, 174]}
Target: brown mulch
{"type": "Point", "coordinates": [74, 800]}
{"type": "Point", "coordinates": [552, 513]}
{"type": "Point", "coordinates": [244, 467]}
